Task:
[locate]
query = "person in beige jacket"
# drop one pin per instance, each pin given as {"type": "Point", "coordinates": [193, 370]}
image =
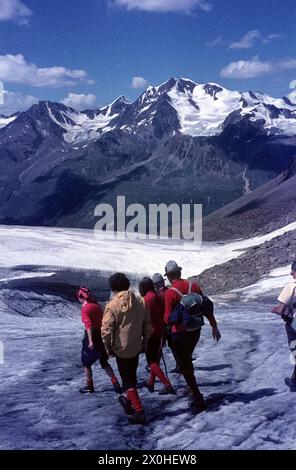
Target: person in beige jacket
{"type": "Point", "coordinates": [287, 309]}
{"type": "Point", "coordinates": [126, 329]}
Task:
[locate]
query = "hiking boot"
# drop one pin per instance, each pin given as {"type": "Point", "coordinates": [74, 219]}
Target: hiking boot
{"type": "Point", "coordinates": [87, 389]}
{"type": "Point", "coordinates": [291, 384]}
{"type": "Point", "coordinates": [126, 404]}
{"type": "Point", "coordinates": [117, 387]}
{"type": "Point", "coordinates": [167, 390]}
{"type": "Point", "coordinates": [150, 386]}
{"type": "Point", "coordinates": [138, 418]}
{"type": "Point", "coordinates": [197, 404]}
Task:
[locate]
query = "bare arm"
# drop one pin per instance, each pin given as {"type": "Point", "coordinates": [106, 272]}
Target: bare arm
{"type": "Point", "coordinates": [90, 340]}
{"type": "Point", "coordinates": [209, 314]}
{"type": "Point", "coordinates": [108, 325]}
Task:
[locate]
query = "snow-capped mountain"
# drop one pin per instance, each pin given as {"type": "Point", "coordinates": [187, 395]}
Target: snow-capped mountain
{"type": "Point", "coordinates": [203, 142]}
{"type": "Point", "coordinates": [206, 109]}
{"type": "Point", "coordinates": [189, 108]}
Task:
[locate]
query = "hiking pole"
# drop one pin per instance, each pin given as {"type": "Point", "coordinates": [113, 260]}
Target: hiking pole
{"type": "Point", "coordinates": [164, 339]}
{"type": "Point", "coordinates": [164, 363]}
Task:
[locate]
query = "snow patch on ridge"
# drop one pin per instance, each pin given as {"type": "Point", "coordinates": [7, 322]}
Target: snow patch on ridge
{"type": "Point", "coordinates": [4, 121]}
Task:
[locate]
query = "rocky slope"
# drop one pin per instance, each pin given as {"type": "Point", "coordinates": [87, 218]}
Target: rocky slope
{"type": "Point", "coordinates": [251, 266]}
{"type": "Point", "coordinates": [264, 210]}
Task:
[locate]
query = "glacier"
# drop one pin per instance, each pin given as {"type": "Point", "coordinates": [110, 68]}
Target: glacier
{"type": "Point", "coordinates": [41, 408]}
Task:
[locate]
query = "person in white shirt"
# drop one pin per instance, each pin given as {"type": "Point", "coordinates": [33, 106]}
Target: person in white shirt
{"type": "Point", "coordinates": [287, 309]}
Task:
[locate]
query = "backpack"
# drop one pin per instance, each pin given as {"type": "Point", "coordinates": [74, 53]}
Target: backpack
{"type": "Point", "coordinates": [189, 311]}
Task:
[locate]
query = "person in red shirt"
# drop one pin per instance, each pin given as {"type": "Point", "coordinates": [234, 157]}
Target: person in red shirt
{"type": "Point", "coordinates": [93, 348]}
{"type": "Point", "coordinates": [184, 342]}
{"type": "Point", "coordinates": [161, 288]}
{"type": "Point", "coordinates": [155, 304]}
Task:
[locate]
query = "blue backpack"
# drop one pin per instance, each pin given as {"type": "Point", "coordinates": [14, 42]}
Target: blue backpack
{"type": "Point", "coordinates": [188, 312]}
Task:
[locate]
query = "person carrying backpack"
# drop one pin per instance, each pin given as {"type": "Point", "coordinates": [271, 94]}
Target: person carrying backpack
{"type": "Point", "coordinates": [287, 309]}
{"type": "Point", "coordinates": [159, 284]}
{"type": "Point", "coordinates": [183, 307]}
{"type": "Point", "coordinates": [155, 304]}
{"type": "Point", "coordinates": [160, 288]}
{"type": "Point", "coordinates": [93, 348]}
{"type": "Point", "coordinates": [126, 329]}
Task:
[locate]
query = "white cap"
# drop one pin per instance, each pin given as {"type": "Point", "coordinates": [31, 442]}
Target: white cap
{"type": "Point", "coordinates": [172, 267]}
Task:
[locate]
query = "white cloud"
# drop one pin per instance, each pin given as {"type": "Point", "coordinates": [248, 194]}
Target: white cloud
{"type": "Point", "coordinates": [14, 102]}
{"type": "Point", "coordinates": [292, 95]}
{"type": "Point", "coordinates": [246, 69]}
{"type": "Point", "coordinates": [271, 37]}
{"type": "Point", "coordinates": [246, 41]}
{"type": "Point", "coordinates": [80, 101]}
{"type": "Point", "coordinates": [256, 68]}
{"type": "Point", "coordinates": [15, 69]}
{"type": "Point", "coordinates": [139, 82]}
{"type": "Point", "coordinates": [287, 64]}
{"type": "Point", "coordinates": [215, 42]}
{"type": "Point", "coordinates": [164, 5]}
{"type": "Point", "coordinates": [249, 39]}
{"type": "Point", "coordinates": [14, 10]}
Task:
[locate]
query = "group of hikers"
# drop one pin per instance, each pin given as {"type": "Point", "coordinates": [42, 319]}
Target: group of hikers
{"type": "Point", "coordinates": [133, 324]}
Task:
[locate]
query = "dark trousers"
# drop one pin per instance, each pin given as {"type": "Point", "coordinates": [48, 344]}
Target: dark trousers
{"type": "Point", "coordinates": [291, 334]}
{"type": "Point", "coordinates": [127, 369]}
{"type": "Point", "coordinates": [184, 343]}
{"type": "Point", "coordinates": [90, 356]}
{"type": "Point", "coordinates": [153, 353]}
{"type": "Point", "coordinates": [169, 338]}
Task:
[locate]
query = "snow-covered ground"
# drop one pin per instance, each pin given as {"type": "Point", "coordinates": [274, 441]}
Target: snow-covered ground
{"type": "Point", "coordinates": [41, 408]}
{"type": "Point", "coordinates": [78, 248]}
{"type": "Point", "coordinates": [273, 282]}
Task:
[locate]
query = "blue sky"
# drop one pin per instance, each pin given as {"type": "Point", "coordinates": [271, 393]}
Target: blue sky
{"type": "Point", "coordinates": [87, 52]}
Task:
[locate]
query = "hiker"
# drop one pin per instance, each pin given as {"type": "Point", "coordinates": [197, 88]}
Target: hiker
{"type": "Point", "coordinates": [160, 288]}
{"type": "Point", "coordinates": [126, 329]}
{"type": "Point", "coordinates": [287, 309]}
{"type": "Point", "coordinates": [93, 348]}
{"type": "Point", "coordinates": [159, 284]}
{"type": "Point", "coordinates": [185, 339]}
{"type": "Point", "coordinates": [155, 304]}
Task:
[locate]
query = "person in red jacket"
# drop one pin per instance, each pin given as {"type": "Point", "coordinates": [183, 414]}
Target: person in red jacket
{"type": "Point", "coordinates": [184, 342]}
{"type": "Point", "coordinates": [159, 284]}
{"type": "Point", "coordinates": [93, 348]}
{"type": "Point", "coordinates": [155, 304]}
{"type": "Point", "coordinates": [161, 288]}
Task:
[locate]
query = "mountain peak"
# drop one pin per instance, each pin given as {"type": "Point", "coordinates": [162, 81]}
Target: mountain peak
{"type": "Point", "coordinates": [181, 84]}
{"type": "Point", "coordinates": [121, 99]}
{"type": "Point", "coordinates": [168, 83]}
{"type": "Point", "coordinates": [117, 106]}
{"type": "Point", "coordinates": [47, 106]}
